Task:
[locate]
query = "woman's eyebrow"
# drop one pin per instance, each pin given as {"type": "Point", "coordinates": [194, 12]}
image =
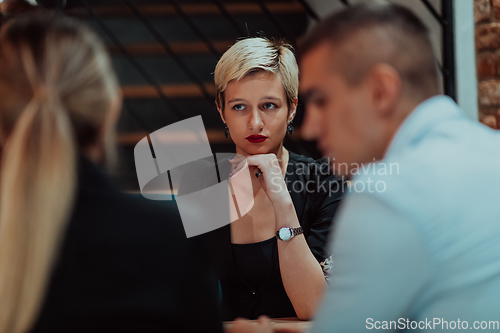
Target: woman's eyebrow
{"type": "Point", "coordinates": [271, 97]}
{"type": "Point", "coordinates": [236, 100]}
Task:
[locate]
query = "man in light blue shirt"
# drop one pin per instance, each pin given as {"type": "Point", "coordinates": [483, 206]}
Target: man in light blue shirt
{"type": "Point", "coordinates": [423, 249]}
{"type": "Point", "coordinates": [417, 241]}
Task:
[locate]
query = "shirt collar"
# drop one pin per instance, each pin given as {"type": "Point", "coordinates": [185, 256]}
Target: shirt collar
{"type": "Point", "coordinates": [422, 119]}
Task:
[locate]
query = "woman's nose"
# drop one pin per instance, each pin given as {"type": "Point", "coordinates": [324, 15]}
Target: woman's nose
{"type": "Point", "coordinates": [256, 124]}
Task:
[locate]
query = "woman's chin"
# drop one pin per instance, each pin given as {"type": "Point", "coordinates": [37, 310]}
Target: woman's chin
{"type": "Point", "coordinates": [258, 149]}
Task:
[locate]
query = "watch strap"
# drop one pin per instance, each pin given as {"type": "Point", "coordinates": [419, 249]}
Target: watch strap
{"type": "Point", "coordinates": [294, 232]}
{"type": "Point", "coordinates": [297, 231]}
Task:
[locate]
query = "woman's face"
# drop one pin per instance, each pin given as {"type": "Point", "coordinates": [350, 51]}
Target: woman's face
{"type": "Point", "coordinates": [256, 113]}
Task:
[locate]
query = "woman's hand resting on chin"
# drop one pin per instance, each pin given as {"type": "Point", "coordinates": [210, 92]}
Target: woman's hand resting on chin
{"type": "Point", "coordinates": [271, 176]}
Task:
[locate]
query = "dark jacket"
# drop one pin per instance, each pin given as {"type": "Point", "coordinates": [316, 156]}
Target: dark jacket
{"type": "Point", "coordinates": [125, 265]}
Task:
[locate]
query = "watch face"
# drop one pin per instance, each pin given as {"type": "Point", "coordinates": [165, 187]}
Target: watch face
{"type": "Point", "coordinates": [285, 234]}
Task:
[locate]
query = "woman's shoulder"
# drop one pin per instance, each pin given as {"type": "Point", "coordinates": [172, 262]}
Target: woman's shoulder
{"type": "Point", "coordinates": [317, 175]}
{"type": "Point", "coordinates": [301, 158]}
{"type": "Point", "coordinates": [315, 168]}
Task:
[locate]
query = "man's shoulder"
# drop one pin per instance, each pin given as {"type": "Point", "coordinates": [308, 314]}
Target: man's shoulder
{"type": "Point", "coordinates": [438, 176]}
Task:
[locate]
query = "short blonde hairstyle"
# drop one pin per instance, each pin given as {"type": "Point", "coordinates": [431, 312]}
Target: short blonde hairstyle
{"type": "Point", "coordinates": [257, 54]}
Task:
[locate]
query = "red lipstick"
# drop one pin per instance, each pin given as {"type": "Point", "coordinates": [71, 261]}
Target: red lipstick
{"type": "Point", "coordinates": [256, 138]}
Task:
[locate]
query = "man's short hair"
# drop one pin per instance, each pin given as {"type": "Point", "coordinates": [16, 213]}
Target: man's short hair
{"type": "Point", "coordinates": [368, 34]}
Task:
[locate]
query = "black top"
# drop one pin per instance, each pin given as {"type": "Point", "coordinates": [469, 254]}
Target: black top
{"type": "Point", "coordinates": [126, 266]}
{"type": "Point", "coordinates": [256, 261]}
{"type": "Point", "coordinates": [316, 194]}
{"type": "Point", "coordinates": [257, 265]}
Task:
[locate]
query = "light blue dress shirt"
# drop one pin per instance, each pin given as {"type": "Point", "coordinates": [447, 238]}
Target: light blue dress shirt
{"type": "Point", "coordinates": [420, 248]}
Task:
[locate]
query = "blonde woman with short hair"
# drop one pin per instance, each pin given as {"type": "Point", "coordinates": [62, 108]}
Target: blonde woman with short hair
{"type": "Point", "coordinates": [273, 260]}
{"type": "Point", "coordinates": [77, 255]}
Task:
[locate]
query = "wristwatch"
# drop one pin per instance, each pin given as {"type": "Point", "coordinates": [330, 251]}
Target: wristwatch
{"type": "Point", "coordinates": [286, 233]}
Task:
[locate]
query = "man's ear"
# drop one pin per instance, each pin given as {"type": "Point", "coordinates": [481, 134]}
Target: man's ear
{"type": "Point", "coordinates": [385, 86]}
{"type": "Point", "coordinates": [293, 110]}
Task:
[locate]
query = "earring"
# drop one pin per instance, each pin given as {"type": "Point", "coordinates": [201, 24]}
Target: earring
{"type": "Point", "coordinates": [226, 130]}
{"type": "Point", "coordinates": [289, 129]}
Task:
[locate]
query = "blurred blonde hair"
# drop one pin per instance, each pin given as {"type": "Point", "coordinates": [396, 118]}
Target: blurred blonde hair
{"type": "Point", "coordinates": [257, 54]}
{"type": "Point", "coordinates": [57, 90]}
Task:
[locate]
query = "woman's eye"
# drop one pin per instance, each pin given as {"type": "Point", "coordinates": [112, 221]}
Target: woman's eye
{"type": "Point", "coordinates": [269, 106]}
{"type": "Point", "coordinates": [239, 107]}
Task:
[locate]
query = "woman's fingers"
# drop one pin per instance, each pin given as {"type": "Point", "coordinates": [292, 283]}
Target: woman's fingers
{"type": "Point", "coordinates": [239, 162]}
{"type": "Point", "coordinates": [239, 167]}
{"type": "Point", "coordinates": [264, 320]}
{"type": "Point", "coordinates": [263, 164]}
{"type": "Point", "coordinates": [240, 325]}
{"type": "Point", "coordinates": [266, 164]}
{"type": "Point", "coordinates": [236, 159]}
{"type": "Point", "coordinates": [262, 325]}
{"type": "Point", "coordinates": [271, 178]}
{"type": "Point", "coordinates": [268, 171]}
